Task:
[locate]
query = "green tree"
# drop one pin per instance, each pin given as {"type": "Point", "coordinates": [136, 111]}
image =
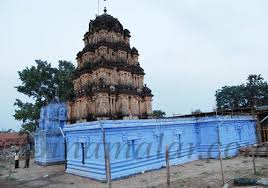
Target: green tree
{"type": "Point", "coordinates": [253, 93]}
{"type": "Point", "coordinates": [230, 97]}
{"type": "Point", "coordinates": [40, 83]}
{"type": "Point", "coordinates": [64, 79]}
{"type": "Point", "coordinates": [256, 90]}
{"type": "Point", "coordinates": [158, 114]}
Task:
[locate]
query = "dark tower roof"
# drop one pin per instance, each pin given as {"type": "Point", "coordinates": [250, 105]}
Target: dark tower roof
{"type": "Point", "coordinates": [107, 22]}
{"type": "Point", "coordinates": [134, 51]}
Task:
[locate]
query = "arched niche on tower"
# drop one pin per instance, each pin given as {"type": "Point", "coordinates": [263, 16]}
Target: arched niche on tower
{"type": "Point", "coordinates": [78, 109]}
{"type": "Point", "coordinates": [103, 51]}
{"type": "Point", "coordinates": [87, 57]}
{"type": "Point", "coordinates": [102, 104]}
{"type": "Point", "coordinates": [84, 107]}
{"type": "Point", "coordinates": [122, 55]}
{"type": "Point", "coordinates": [113, 55]}
{"type": "Point", "coordinates": [85, 78]}
{"type": "Point", "coordinates": [90, 39]}
{"type": "Point", "coordinates": [148, 104]}
{"type": "Point", "coordinates": [135, 58]}
{"type": "Point", "coordinates": [102, 35]}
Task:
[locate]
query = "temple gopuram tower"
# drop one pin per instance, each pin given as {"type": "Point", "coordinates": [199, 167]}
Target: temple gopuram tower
{"type": "Point", "coordinates": [109, 81]}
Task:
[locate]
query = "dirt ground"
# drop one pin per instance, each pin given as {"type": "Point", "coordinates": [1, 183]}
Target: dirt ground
{"type": "Point", "coordinates": [197, 174]}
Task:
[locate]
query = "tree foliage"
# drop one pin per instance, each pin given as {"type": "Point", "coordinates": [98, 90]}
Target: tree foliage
{"type": "Point", "coordinates": [40, 83]}
{"type": "Point", "coordinates": [249, 95]}
{"type": "Point", "coordinates": [158, 114]}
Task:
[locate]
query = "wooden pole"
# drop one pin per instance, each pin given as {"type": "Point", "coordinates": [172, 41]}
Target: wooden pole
{"type": "Point", "coordinates": [253, 161]}
{"type": "Point", "coordinates": [258, 131]}
{"type": "Point", "coordinates": [167, 167]}
{"type": "Point", "coordinates": [222, 172]}
{"type": "Point", "coordinates": [65, 153]}
{"type": "Point", "coordinates": [104, 149]}
{"type": "Point", "coordinates": [106, 158]}
{"type": "Point", "coordinates": [9, 173]}
{"type": "Point", "coordinates": [109, 172]}
{"type": "Point", "coordinates": [220, 157]}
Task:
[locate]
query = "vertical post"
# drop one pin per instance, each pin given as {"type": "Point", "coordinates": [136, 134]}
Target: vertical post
{"type": "Point", "coordinates": [106, 158]}
{"type": "Point", "coordinates": [253, 161]}
{"type": "Point", "coordinates": [109, 172]}
{"type": "Point", "coordinates": [264, 135]}
{"type": "Point", "coordinates": [167, 167]}
{"type": "Point", "coordinates": [65, 147]}
{"type": "Point", "coordinates": [104, 150]}
{"type": "Point", "coordinates": [258, 131]}
{"type": "Point", "coordinates": [220, 157]}
{"type": "Point", "coordinates": [222, 172]}
{"type": "Point", "coordinates": [9, 172]}
{"type": "Point", "coordinates": [65, 152]}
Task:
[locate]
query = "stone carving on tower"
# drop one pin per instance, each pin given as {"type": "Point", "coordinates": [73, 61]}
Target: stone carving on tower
{"type": "Point", "coordinates": [109, 81]}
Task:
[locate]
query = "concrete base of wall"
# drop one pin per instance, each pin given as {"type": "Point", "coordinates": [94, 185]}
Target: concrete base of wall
{"type": "Point", "coordinates": [90, 175]}
{"type": "Point", "coordinates": [42, 163]}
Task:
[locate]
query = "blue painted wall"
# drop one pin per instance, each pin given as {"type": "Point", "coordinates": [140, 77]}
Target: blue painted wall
{"type": "Point", "coordinates": [135, 146]}
{"type": "Point", "coordinates": [49, 142]}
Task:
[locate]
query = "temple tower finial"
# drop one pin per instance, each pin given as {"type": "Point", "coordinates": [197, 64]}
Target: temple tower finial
{"type": "Point", "coordinates": [105, 9]}
{"type": "Point", "coordinates": [98, 7]}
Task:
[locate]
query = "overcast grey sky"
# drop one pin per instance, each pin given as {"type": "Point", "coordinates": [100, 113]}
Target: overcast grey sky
{"type": "Point", "coordinates": [189, 48]}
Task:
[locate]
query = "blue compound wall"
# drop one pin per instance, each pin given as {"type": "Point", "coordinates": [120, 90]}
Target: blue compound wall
{"type": "Point", "coordinates": [135, 146]}
{"type": "Point", "coordinates": [49, 142]}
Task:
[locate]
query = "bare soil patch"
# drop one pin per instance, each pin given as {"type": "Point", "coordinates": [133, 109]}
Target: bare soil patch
{"type": "Point", "coordinates": [197, 174]}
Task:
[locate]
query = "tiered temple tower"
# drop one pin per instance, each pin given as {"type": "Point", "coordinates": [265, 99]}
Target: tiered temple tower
{"type": "Point", "coordinates": [109, 82]}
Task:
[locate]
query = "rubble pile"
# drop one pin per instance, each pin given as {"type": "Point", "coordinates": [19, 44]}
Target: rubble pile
{"type": "Point", "coordinates": [8, 153]}
{"type": "Point", "coordinates": [260, 150]}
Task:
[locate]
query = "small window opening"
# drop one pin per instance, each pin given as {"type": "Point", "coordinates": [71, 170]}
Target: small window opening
{"type": "Point", "coordinates": [83, 153]}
